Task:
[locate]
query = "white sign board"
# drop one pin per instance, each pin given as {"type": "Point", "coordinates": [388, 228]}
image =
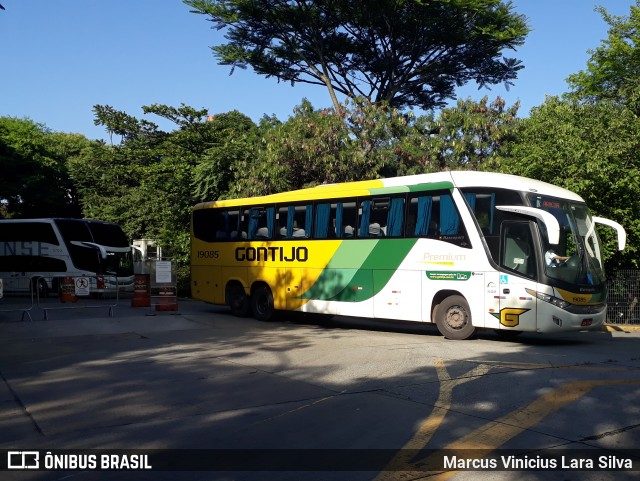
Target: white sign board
{"type": "Point", "coordinates": [163, 272]}
{"type": "Point", "coordinates": [82, 286]}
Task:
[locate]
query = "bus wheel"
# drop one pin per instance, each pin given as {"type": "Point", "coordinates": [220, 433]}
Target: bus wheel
{"type": "Point", "coordinates": [238, 301]}
{"type": "Point", "coordinates": [453, 318]}
{"type": "Point", "coordinates": [262, 303]}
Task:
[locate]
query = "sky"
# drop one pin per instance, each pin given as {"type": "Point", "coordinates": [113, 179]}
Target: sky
{"type": "Point", "coordinates": [59, 58]}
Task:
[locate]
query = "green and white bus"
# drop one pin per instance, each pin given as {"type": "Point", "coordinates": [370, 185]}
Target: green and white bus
{"type": "Point", "coordinates": [464, 250]}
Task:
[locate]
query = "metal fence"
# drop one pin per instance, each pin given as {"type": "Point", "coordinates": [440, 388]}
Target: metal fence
{"type": "Point", "coordinates": [21, 295]}
{"type": "Point", "coordinates": [624, 297]}
{"type": "Point", "coordinates": [17, 297]}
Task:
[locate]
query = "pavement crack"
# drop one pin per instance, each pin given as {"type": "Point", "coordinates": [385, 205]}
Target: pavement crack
{"type": "Point", "coordinates": [22, 405]}
{"type": "Point", "coordinates": [610, 433]}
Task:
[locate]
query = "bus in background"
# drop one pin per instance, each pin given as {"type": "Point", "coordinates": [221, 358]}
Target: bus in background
{"type": "Point", "coordinates": [463, 250]}
{"type": "Point", "coordinates": [47, 250]}
{"type": "Point", "coordinates": [145, 250]}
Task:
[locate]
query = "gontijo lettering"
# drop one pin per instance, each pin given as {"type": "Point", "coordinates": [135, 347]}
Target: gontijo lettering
{"type": "Point", "coordinates": [293, 254]}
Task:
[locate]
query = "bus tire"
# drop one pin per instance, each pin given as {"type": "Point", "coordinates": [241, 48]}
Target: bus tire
{"type": "Point", "coordinates": [262, 303]}
{"type": "Point", "coordinates": [453, 318]}
{"type": "Point", "coordinates": [238, 301]}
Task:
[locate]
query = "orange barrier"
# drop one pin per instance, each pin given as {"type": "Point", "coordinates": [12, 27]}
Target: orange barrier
{"type": "Point", "coordinates": [141, 291]}
{"type": "Point", "coordinates": [167, 299]}
{"type": "Point", "coordinates": [68, 290]}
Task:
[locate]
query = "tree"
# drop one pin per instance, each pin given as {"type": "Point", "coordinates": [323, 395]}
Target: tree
{"type": "Point", "coordinates": [235, 142]}
{"type": "Point", "coordinates": [590, 149]}
{"type": "Point", "coordinates": [470, 135]}
{"type": "Point", "coordinates": [366, 141]}
{"type": "Point", "coordinates": [405, 53]}
{"type": "Point", "coordinates": [613, 71]}
{"type": "Point", "coordinates": [35, 181]}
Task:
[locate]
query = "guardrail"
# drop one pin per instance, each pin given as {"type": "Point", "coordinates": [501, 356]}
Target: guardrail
{"type": "Point", "coordinates": [85, 292]}
{"type": "Point", "coordinates": [24, 294]}
{"type": "Point", "coordinates": [17, 295]}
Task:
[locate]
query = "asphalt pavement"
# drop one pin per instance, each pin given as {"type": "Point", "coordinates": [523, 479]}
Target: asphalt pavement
{"type": "Point", "coordinates": [113, 377]}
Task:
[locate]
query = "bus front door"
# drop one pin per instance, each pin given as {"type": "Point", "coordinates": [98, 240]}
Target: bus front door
{"type": "Point", "coordinates": [515, 308]}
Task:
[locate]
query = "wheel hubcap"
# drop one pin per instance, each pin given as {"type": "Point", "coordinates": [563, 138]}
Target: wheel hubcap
{"type": "Point", "coordinates": [456, 317]}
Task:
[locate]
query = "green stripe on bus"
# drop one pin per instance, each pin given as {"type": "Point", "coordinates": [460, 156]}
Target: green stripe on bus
{"type": "Point", "coordinates": [431, 186]}
{"type": "Point", "coordinates": [401, 189]}
{"type": "Point", "coordinates": [389, 190]}
{"type": "Point", "coordinates": [341, 268]}
{"type": "Point", "coordinates": [339, 283]}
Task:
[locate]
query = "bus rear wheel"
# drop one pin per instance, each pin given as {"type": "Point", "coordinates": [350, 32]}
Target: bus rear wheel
{"type": "Point", "coordinates": [453, 318]}
{"type": "Point", "coordinates": [262, 303]}
{"type": "Point", "coordinates": [238, 301]}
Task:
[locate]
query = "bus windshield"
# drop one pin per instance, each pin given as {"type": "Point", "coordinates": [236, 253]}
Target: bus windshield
{"type": "Point", "coordinates": [576, 259]}
{"type": "Point", "coordinates": [83, 239]}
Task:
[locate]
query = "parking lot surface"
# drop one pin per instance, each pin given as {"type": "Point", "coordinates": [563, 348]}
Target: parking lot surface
{"type": "Point", "coordinates": [394, 396]}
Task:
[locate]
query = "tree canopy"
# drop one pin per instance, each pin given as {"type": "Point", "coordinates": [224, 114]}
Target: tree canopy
{"type": "Point", "coordinates": [405, 53]}
{"type": "Point", "coordinates": [34, 180]}
{"type": "Point", "coordinates": [613, 70]}
{"type": "Point", "coordinates": [591, 149]}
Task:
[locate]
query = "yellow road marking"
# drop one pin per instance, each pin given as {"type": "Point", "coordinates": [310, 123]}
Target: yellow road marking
{"type": "Point", "coordinates": [484, 439]}
{"type": "Point", "coordinates": [428, 428]}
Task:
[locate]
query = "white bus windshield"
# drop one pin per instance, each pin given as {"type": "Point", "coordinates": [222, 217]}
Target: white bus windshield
{"type": "Point", "coordinates": [576, 258]}
{"type": "Point", "coordinates": [84, 237]}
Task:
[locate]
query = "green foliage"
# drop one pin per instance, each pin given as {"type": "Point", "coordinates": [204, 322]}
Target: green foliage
{"type": "Point", "coordinates": [591, 149]}
{"type": "Point", "coordinates": [35, 181]}
{"type": "Point", "coordinates": [364, 141]}
{"type": "Point", "coordinates": [398, 52]}
{"type": "Point", "coordinates": [468, 136]}
{"type": "Point", "coordinates": [234, 141]}
{"type": "Point", "coordinates": [612, 72]}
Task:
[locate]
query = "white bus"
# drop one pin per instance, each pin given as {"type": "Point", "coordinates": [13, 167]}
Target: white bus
{"type": "Point", "coordinates": [464, 250]}
{"type": "Point", "coordinates": [47, 250]}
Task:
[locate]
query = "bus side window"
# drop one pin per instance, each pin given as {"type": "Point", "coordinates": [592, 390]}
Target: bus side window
{"type": "Point", "coordinates": [325, 221]}
{"type": "Point", "coordinates": [517, 249]}
{"type": "Point", "coordinates": [346, 213]}
{"type": "Point", "coordinates": [385, 217]}
{"type": "Point", "coordinates": [294, 222]}
{"type": "Point", "coordinates": [364, 218]}
{"type": "Point", "coordinates": [378, 218]}
{"type": "Point", "coordinates": [261, 223]}
{"type": "Point", "coordinates": [449, 218]}
{"type": "Point", "coordinates": [284, 229]}
{"type": "Point", "coordinates": [435, 215]}
{"type": "Point", "coordinates": [395, 217]}
{"type": "Point", "coordinates": [243, 226]}
{"type": "Point", "coordinates": [224, 223]}
{"type": "Point", "coordinates": [419, 216]}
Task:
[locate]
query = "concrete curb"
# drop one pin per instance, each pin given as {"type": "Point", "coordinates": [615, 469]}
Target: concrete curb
{"type": "Point", "coordinates": [620, 328]}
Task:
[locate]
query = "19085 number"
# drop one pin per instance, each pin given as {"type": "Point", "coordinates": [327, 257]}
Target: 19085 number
{"type": "Point", "coordinates": [208, 254]}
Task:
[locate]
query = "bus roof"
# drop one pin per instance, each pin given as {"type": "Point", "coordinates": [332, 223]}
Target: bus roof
{"type": "Point", "coordinates": [392, 185]}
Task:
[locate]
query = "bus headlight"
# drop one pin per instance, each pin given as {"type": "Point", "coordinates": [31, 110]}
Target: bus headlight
{"type": "Point", "coordinates": [555, 301]}
{"type": "Point", "coordinates": [567, 306]}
